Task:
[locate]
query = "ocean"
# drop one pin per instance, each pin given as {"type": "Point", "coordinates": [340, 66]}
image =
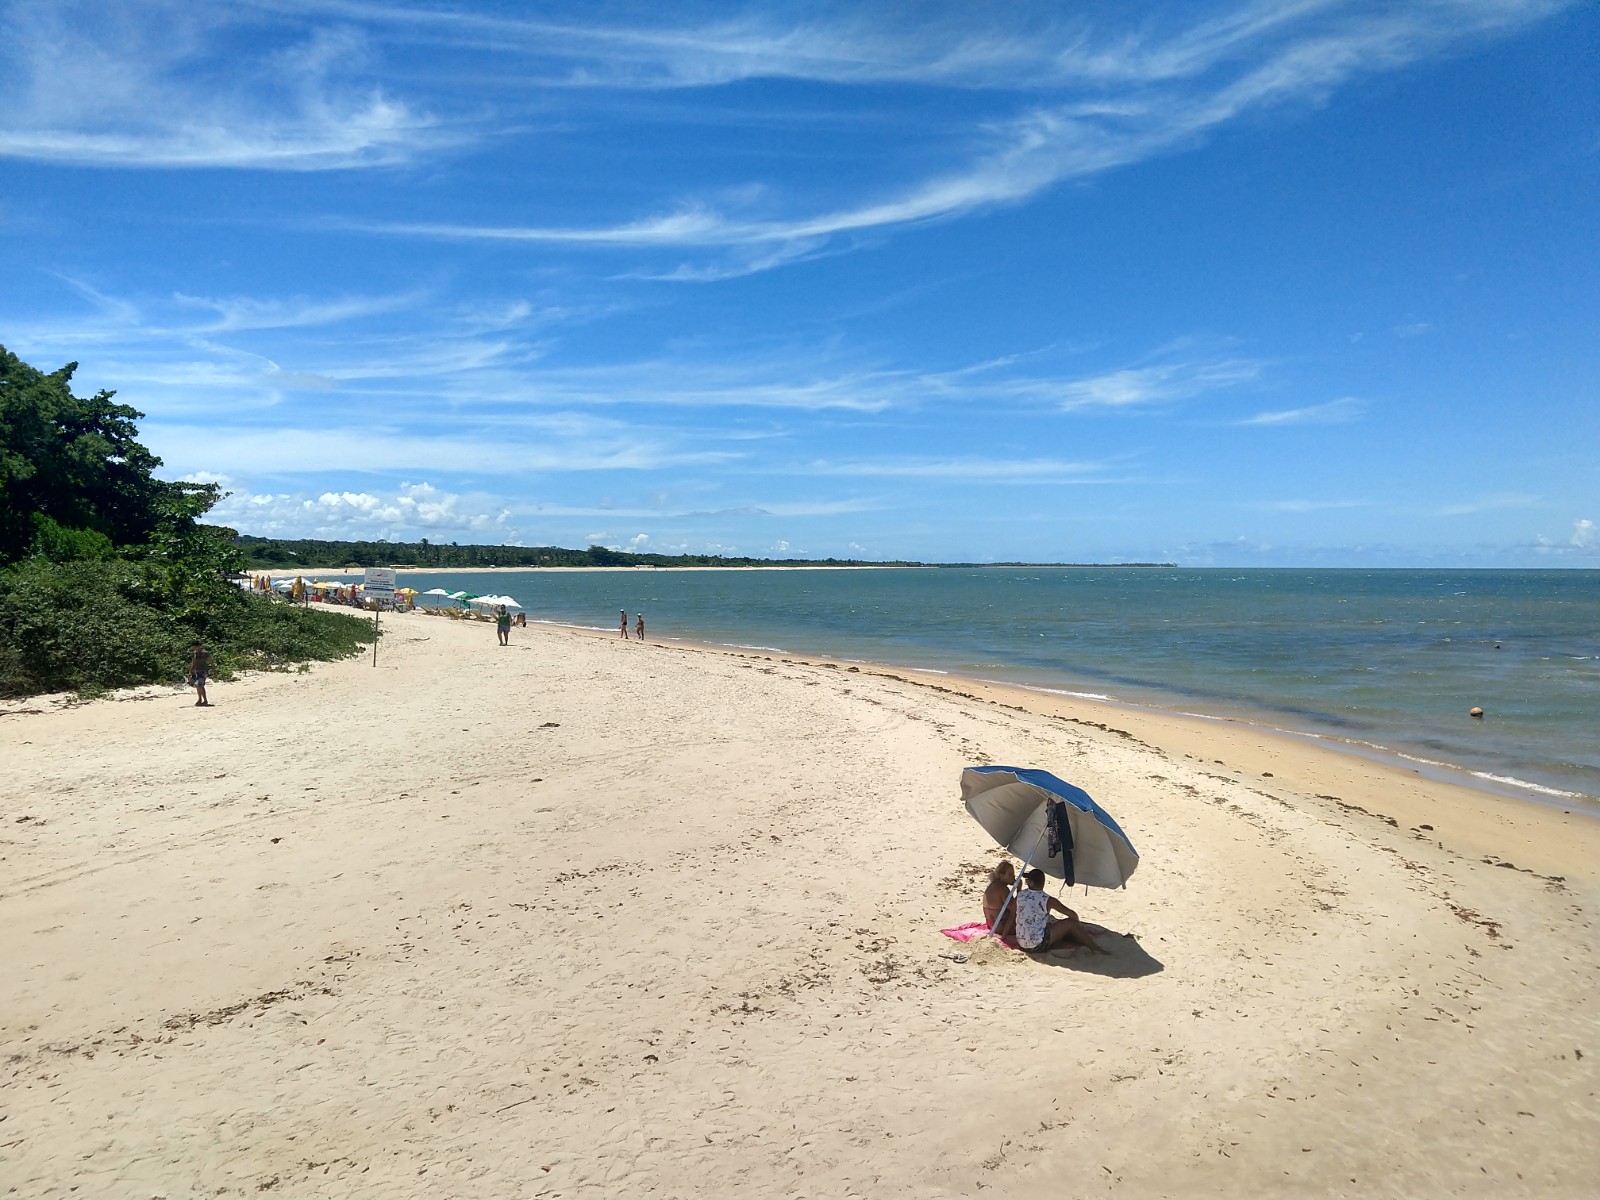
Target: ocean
{"type": "Point", "coordinates": [1384, 663]}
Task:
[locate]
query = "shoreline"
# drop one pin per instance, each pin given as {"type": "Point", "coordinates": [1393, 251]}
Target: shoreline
{"type": "Point", "coordinates": [1412, 796]}
{"type": "Point", "coordinates": [1550, 764]}
{"type": "Point", "coordinates": [1399, 760]}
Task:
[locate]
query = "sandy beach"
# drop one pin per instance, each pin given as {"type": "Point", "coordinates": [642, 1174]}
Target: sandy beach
{"type": "Point", "coordinates": [586, 917]}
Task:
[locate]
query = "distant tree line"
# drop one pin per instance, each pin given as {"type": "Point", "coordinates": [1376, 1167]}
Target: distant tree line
{"type": "Point", "coordinates": [285, 554]}
{"type": "Point", "coordinates": [279, 554]}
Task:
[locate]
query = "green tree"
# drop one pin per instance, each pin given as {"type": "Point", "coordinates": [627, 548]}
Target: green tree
{"type": "Point", "coordinates": [76, 462]}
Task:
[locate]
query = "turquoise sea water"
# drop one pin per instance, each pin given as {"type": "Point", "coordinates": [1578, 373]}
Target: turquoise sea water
{"type": "Point", "coordinates": [1381, 661]}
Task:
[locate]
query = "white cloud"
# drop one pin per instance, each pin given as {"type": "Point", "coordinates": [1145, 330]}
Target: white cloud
{"type": "Point", "coordinates": [1157, 384]}
{"type": "Point", "coordinates": [290, 450]}
{"type": "Point", "coordinates": [153, 86]}
{"type": "Point", "coordinates": [243, 312]}
{"type": "Point", "coordinates": [415, 510]}
{"type": "Point", "coordinates": [1584, 534]}
{"type": "Point", "coordinates": [1002, 470]}
{"type": "Point", "coordinates": [1334, 412]}
{"type": "Point", "coordinates": [1096, 105]}
{"type": "Point", "coordinates": [1302, 506]}
{"type": "Point", "coordinates": [1496, 502]}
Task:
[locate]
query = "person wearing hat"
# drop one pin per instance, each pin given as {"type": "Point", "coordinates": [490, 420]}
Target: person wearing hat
{"type": "Point", "coordinates": [638, 629]}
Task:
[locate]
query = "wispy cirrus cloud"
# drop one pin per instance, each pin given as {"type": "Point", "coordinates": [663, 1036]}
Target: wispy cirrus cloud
{"type": "Point", "coordinates": [1334, 412]}
{"type": "Point", "coordinates": [234, 313]}
{"type": "Point", "coordinates": [354, 448]}
{"type": "Point", "coordinates": [1159, 383]}
{"type": "Point", "coordinates": [1095, 103]}
{"type": "Point", "coordinates": [155, 86]}
{"type": "Point", "coordinates": [1497, 502]}
{"type": "Point", "coordinates": [1310, 506]}
{"type": "Point", "coordinates": [990, 470]}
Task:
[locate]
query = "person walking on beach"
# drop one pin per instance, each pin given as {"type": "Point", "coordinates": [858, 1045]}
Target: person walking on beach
{"type": "Point", "coordinates": [1036, 932]}
{"type": "Point", "coordinates": [623, 628]}
{"type": "Point", "coordinates": [638, 629]}
{"type": "Point", "coordinates": [502, 624]}
{"type": "Point", "coordinates": [199, 668]}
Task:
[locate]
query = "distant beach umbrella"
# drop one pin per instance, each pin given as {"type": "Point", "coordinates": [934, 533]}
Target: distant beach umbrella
{"type": "Point", "coordinates": [1049, 823]}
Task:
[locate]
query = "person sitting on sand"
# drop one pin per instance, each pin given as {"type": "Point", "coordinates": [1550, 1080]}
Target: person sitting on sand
{"type": "Point", "coordinates": [1001, 880]}
{"type": "Point", "coordinates": [1036, 932]}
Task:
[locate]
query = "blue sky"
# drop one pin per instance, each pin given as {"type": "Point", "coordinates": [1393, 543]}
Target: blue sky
{"type": "Point", "coordinates": [1294, 283]}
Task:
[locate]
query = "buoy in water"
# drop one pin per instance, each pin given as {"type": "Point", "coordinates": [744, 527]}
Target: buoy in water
{"type": "Point", "coordinates": [1475, 712]}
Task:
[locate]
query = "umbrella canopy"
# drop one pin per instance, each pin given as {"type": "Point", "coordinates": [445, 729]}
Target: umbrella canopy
{"type": "Point", "coordinates": [1015, 804]}
{"type": "Point", "coordinates": [491, 601]}
{"type": "Point", "coordinates": [462, 596]}
{"type": "Point", "coordinates": [435, 592]}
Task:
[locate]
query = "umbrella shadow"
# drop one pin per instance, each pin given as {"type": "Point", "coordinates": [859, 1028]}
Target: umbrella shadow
{"type": "Point", "coordinates": [1127, 960]}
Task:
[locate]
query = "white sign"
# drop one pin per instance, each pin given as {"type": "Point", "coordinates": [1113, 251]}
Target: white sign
{"type": "Point", "coordinates": [380, 583]}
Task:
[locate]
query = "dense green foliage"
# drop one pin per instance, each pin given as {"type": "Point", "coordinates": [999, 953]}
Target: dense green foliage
{"type": "Point", "coordinates": [88, 626]}
{"type": "Point", "coordinates": [280, 554]}
{"type": "Point", "coordinates": [106, 573]}
{"type": "Point", "coordinates": [74, 463]}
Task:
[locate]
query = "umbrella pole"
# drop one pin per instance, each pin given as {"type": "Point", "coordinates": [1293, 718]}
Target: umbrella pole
{"type": "Point", "coordinates": [1016, 884]}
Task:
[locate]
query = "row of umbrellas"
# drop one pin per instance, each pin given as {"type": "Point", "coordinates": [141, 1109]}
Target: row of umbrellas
{"type": "Point", "coordinates": [469, 598]}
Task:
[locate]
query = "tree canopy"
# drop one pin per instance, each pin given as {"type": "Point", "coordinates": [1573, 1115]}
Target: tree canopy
{"type": "Point", "coordinates": [74, 479]}
{"type": "Point", "coordinates": [106, 573]}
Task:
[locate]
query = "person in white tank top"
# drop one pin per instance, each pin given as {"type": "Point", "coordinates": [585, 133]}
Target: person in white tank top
{"type": "Point", "coordinates": [1036, 932]}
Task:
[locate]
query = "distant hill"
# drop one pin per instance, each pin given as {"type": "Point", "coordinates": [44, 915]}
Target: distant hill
{"type": "Point", "coordinates": [285, 554]}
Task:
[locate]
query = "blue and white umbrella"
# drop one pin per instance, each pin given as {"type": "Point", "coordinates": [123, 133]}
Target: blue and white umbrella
{"type": "Point", "coordinates": [1049, 823]}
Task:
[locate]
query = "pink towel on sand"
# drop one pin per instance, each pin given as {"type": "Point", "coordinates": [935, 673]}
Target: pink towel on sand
{"type": "Point", "coordinates": [973, 930]}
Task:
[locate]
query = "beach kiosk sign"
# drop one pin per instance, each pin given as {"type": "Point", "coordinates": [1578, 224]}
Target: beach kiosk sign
{"type": "Point", "coordinates": [379, 583]}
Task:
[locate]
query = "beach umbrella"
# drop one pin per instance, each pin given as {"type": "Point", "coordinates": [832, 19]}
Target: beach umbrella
{"type": "Point", "coordinates": [1049, 823]}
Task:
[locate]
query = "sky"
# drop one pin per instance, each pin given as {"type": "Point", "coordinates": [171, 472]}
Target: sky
{"type": "Point", "coordinates": [1301, 283]}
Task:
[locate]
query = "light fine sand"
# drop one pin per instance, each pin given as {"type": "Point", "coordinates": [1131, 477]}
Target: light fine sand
{"type": "Point", "coordinates": [585, 917]}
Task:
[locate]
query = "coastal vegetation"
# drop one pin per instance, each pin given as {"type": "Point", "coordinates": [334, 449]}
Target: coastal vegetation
{"type": "Point", "coordinates": [107, 572]}
{"type": "Point", "coordinates": [287, 554]}
{"type": "Point", "coordinates": [279, 554]}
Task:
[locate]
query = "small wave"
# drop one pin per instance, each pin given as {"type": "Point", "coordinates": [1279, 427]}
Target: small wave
{"type": "Point", "coordinates": [1523, 783]}
{"type": "Point", "coordinates": [743, 646]}
{"type": "Point", "coordinates": [1030, 687]}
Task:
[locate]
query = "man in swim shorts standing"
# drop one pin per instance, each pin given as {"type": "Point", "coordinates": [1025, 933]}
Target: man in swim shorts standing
{"type": "Point", "coordinates": [199, 668]}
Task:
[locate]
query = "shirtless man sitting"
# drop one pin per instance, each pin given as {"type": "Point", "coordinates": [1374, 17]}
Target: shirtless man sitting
{"type": "Point", "coordinates": [1036, 932]}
